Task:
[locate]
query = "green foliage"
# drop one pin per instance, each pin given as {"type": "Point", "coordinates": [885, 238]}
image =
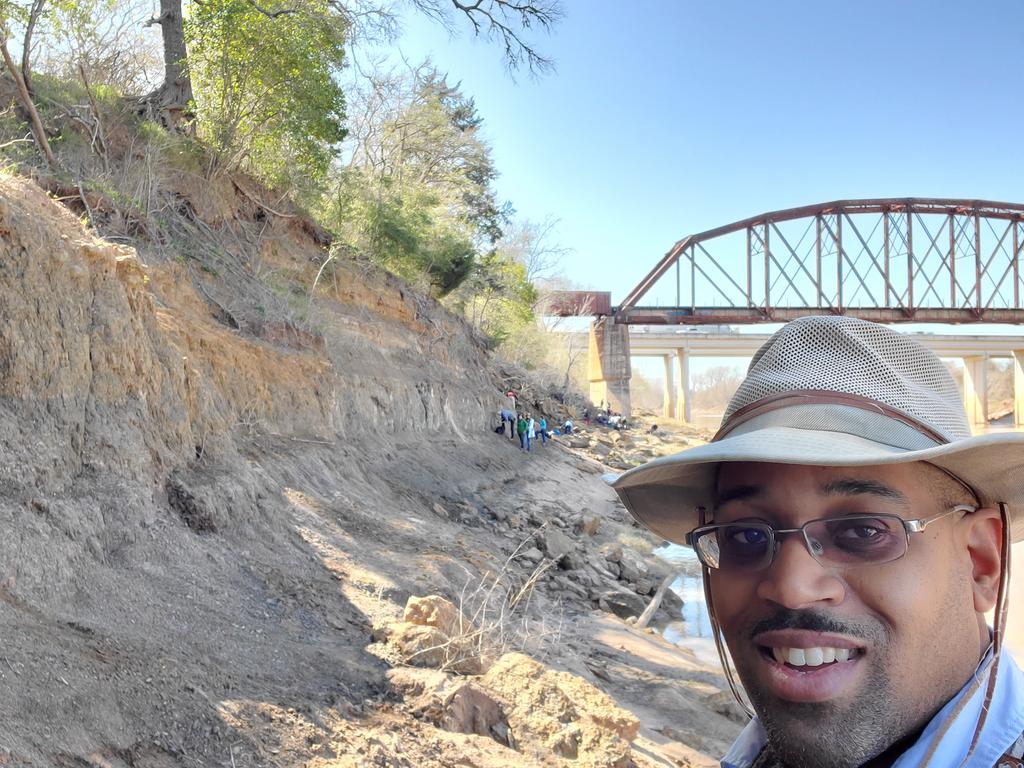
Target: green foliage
{"type": "Point", "coordinates": [498, 299]}
{"type": "Point", "coordinates": [416, 194]}
{"type": "Point", "coordinates": [266, 89]}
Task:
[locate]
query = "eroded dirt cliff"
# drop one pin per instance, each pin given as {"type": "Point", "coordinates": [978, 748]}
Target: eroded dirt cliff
{"type": "Point", "coordinates": [205, 520]}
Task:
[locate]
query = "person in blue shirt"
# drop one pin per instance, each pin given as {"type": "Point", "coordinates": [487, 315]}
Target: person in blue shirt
{"type": "Point", "coordinates": [853, 537]}
{"type": "Point", "coordinates": [508, 422]}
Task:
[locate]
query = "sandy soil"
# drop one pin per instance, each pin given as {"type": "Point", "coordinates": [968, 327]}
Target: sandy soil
{"type": "Point", "coordinates": [208, 514]}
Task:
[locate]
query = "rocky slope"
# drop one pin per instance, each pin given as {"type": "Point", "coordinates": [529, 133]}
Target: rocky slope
{"type": "Point", "coordinates": [212, 529]}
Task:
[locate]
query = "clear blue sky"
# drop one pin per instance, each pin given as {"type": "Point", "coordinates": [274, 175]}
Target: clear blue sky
{"type": "Point", "coordinates": [670, 117]}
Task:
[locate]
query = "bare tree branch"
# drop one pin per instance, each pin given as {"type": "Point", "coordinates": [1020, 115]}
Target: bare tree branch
{"type": "Point", "coordinates": [26, 101]}
{"type": "Point", "coordinates": [34, 13]}
{"type": "Point", "coordinates": [505, 21]}
{"type": "Point", "coordinates": [272, 14]}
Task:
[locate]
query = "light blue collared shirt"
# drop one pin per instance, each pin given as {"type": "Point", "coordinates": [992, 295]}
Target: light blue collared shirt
{"type": "Point", "coordinates": [1003, 726]}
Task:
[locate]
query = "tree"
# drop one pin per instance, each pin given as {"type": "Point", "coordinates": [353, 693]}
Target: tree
{"type": "Point", "coordinates": [171, 102]}
{"type": "Point", "coordinates": [415, 192]}
{"type": "Point", "coordinates": [35, 11]}
{"type": "Point", "coordinates": [715, 386]}
{"type": "Point", "coordinates": [24, 97]}
{"type": "Point", "coordinates": [267, 93]}
{"type": "Point", "coordinates": [503, 20]}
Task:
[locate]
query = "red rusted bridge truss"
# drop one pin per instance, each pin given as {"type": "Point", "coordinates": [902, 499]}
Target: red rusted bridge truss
{"type": "Point", "coordinates": [888, 260]}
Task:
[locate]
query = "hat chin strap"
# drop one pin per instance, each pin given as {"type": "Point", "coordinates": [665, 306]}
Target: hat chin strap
{"type": "Point", "coordinates": [999, 626]}
{"type": "Point", "coordinates": [716, 630]}
{"type": "Point", "coordinates": [723, 653]}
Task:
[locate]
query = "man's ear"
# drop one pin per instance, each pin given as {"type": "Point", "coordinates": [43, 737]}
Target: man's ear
{"type": "Point", "coordinates": [984, 535]}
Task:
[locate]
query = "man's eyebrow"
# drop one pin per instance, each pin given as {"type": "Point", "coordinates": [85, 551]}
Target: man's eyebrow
{"type": "Point", "coordinates": [852, 487]}
{"type": "Point", "coordinates": [737, 493]}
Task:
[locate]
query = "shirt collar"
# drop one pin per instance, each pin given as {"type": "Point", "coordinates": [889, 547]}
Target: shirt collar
{"type": "Point", "coordinates": [1004, 725]}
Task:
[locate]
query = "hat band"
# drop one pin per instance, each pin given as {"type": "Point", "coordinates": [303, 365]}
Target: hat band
{"type": "Point", "coordinates": [822, 397]}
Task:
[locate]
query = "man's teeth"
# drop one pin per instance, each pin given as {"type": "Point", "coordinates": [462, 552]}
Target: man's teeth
{"type": "Point", "coordinates": [810, 657]}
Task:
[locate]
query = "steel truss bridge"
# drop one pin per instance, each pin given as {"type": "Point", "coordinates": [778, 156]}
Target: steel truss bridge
{"type": "Point", "coordinates": [888, 260]}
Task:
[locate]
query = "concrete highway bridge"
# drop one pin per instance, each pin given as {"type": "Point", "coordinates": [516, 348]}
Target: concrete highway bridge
{"type": "Point", "coordinates": [676, 348]}
{"type": "Point", "coordinates": [892, 260]}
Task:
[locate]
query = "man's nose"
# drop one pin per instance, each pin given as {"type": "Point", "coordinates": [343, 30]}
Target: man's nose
{"type": "Point", "coordinates": [796, 580]}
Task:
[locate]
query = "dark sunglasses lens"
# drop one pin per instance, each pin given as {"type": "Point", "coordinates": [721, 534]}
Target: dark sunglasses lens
{"type": "Point", "coordinates": [740, 547]}
{"type": "Point", "coordinates": [855, 540]}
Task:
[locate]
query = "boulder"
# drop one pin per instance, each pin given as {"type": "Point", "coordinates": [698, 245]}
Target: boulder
{"type": "Point", "coordinates": [612, 552]}
{"type": "Point", "coordinates": [564, 713]}
{"type": "Point", "coordinates": [468, 708]}
{"type": "Point", "coordinates": [601, 449]}
{"type": "Point", "coordinates": [672, 604]}
{"type": "Point", "coordinates": [436, 634]}
{"type": "Point", "coordinates": [632, 566]}
{"type": "Point", "coordinates": [532, 555]}
{"type": "Point", "coordinates": [556, 544]}
{"type": "Point", "coordinates": [564, 584]}
{"type": "Point", "coordinates": [588, 525]}
{"type": "Point", "coordinates": [574, 561]}
{"type": "Point", "coordinates": [435, 611]}
{"type": "Point", "coordinates": [603, 568]}
{"type": "Point", "coordinates": [622, 603]}
{"type": "Point", "coordinates": [643, 586]}
{"type": "Point", "coordinates": [420, 645]}
{"type": "Point", "coordinates": [457, 705]}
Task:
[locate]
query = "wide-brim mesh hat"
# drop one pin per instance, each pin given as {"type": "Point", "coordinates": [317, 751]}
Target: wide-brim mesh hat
{"type": "Point", "coordinates": [834, 391]}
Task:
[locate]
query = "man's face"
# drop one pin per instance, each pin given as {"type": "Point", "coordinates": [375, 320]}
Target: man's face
{"type": "Point", "coordinates": [904, 635]}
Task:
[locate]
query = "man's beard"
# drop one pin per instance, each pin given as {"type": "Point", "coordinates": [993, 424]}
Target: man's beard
{"type": "Point", "coordinates": [827, 735]}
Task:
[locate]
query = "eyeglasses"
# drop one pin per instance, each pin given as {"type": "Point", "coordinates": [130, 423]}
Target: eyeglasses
{"type": "Point", "coordinates": [847, 541]}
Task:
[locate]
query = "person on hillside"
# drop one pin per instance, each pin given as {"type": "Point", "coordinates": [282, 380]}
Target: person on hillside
{"type": "Point", "coordinates": [531, 428]}
{"type": "Point", "coordinates": [508, 420]}
{"type": "Point", "coordinates": [543, 431]}
{"type": "Point", "coordinates": [567, 427]}
{"type": "Point", "coordinates": [586, 415]}
{"type": "Point", "coordinates": [853, 535]}
{"type": "Point", "coordinates": [521, 430]}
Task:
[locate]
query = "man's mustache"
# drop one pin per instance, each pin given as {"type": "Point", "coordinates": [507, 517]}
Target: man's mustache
{"type": "Point", "coordinates": [818, 621]}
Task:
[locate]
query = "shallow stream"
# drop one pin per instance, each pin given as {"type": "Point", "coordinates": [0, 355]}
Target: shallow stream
{"type": "Point", "coordinates": [693, 627]}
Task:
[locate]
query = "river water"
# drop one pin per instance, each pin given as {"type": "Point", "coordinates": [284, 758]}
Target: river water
{"type": "Point", "coordinates": [693, 627]}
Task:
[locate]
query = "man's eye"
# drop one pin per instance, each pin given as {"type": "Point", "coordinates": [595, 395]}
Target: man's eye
{"type": "Point", "coordinates": [860, 532]}
{"type": "Point", "coordinates": [748, 536]}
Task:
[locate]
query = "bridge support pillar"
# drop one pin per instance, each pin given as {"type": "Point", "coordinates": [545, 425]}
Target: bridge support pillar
{"type": "Point", "coordinates": [683, 404]}
{"type": "Point", "coordinates": [608, 365]}
{"type": "Point", "coordinates": [976, 389]}
{"type": "Point", "coordinates": [1018, 388]}
{"type": "Point", "coordinates": [668, 402]}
